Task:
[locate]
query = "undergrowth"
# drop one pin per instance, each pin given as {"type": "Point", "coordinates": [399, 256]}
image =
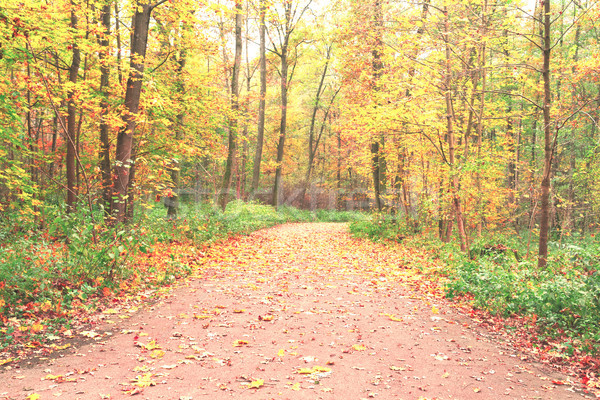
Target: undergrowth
{"type": "Point", "coordinates": [500, 277]}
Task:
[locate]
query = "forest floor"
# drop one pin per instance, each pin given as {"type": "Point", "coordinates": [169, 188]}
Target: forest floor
{"type": "Point", "coordinates": [299, 311]}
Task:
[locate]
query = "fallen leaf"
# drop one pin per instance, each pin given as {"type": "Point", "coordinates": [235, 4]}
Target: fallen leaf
{"type": "Point", "coordinates": [359, 347]}
{"type": "Point", "coordinates": [157, 354]}
{"type": "Point", "coordinates": [144, 380]}
{"type": "Point", "coordinates": [240, 343]}
{"type": "Point", "coordinates": [33, 396]}
{"type": "Point", "coordinates": [256, 384]}
{"type": "Point", "coordinates": [295, 386]}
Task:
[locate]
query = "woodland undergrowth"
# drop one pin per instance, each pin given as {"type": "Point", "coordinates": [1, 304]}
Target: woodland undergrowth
{"type": "Point", "coordinates": [559, 306]}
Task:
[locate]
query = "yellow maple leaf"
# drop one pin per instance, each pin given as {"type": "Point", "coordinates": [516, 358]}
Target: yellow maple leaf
{"type": "Point", "coordinates": [110, 311]}
{"type": "Point", "coordinates": [295, 386]}
{"type": "Point", "coordinates": [305, 371]}
{"type": "Point", "coordinates": [6, 361]}
{"type": "Point", "coordinates": [51, 377]}
{"type": "Point", "coordinates": [144, 380]}
{"type": "Point", "coordinates": [239, 311]}
{"type": "Point", "coordinates": [239, 343]}
{"type": "Point", "coordinates": [256, 384]}
{"type": "Point", "coordinates": [157, 354]}
{"type": "Point", "coordinates": [151, 345]}
{"type": "Point", "coordinates": [37, 328]}
{"type": "Point", "coordinates": [359, 347]}
{"type": "Point", "coordinates": [435, 310]}
{"type": "Point", "coordinates": [33, 396]}
{"type": "Point", "coordinates": [281, 353]}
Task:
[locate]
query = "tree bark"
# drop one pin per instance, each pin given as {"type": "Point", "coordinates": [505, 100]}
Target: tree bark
{"type": "Point", "coordinates": [104, 155]}
{"type": "Point", "coordinates": [454, 178]}
{"type": "Point", "coordinates": [71, 132]}
{"type": "Point", "coordinates": [377, 67]}
{"type": "Point", "coordinates": [124, 147]}
{"type": "Point", "coordinates": [235, 106]}
{"type": "Point", "coordinates": [262, 102]}
{"type": "Point", "coordinates": [548, 147]}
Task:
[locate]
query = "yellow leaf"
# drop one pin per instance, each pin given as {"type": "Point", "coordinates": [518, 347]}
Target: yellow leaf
{"type": "Point", "coordinates": [239, 343]}
{"type": "Point", "coordinates": [50, 377]}
{"type": "Point", "coordinates": [239, 311]}
{"type": "Point", "coordinates": [397, 368]}
{"type": "Point", "coordinates": [281, 353]}
{"type": "Point", "coordinates": [151, 345]}
{"type": "Point", "coordinates": [33, 396]}
{"type": "Point", "coordinates": [476, 390]}
{"type": "Point", "coordinates": [157, 354]}
{"type": "Point", "coordinates": [256, 384]}
{"type": "Point", "coordinates": [36, 328]}
{"type": "Point", "coordinates": [359, 347]}
{"type": "Point", "coordinates": [446, 374]}
{"type": "Point", "coordinates": [6, 361]}
{"type": "Point", "coordinates": [305, 371]}
{"type": "Point", "coordinates": [312, 370]}
{"type": "Point", "coordinates": [295, 386]}
{"type": "Point", "coordinates": [144, 380]}
{"type": "Point", "coordinates": [435, 310]}
{"type": "Point", "coordinates": [110, 311]}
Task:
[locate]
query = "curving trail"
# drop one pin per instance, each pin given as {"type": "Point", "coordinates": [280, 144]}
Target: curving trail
{"type": "Point", "coordinates": [299, 311]}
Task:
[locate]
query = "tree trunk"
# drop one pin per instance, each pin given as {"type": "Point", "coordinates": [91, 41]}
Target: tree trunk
{"type": "Point", "coordinates": [548, 148]}
{"type": "Point", "coordinates": [124, 147]}
{"type": "Point", "coordinates": [377, 67]}
{"type": "Point", "coordinates": [312, 148]}
{"type": "Point", "coordinates": [262, 102]}
{"type": "Point", "coordinates": [235, 106]}
{"type": "Point", "coordinates": [173, 205]}
{"type": "Point", "coordinates": [454, 178]}
{"type": "Point", "coordinates": [71, 132]}
{"type": "Point", "coordinates": [283, 124]}
{"type": "Point", "coordinates": [284, 102]}
{"type": "Point", "coordinates": [104, 155]}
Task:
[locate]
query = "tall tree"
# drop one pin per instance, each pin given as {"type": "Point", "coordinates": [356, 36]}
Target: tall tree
{"type": "Point", "coordinates": [104, 105]}
{"type": "Point", "coordinates": [376, 156]}
{"type": "Point", "coordinates": [548, 145]}
{"type": "Point", "coordinates": [124, 165]}
{"type": "Point", "coordinates": [71, 133]}
{"type": "Point", "coordinates": [262, 100]}
{"type": "Point", "coordinates": [235, 106]}
{"type": "Point", "coordinates": [291, 17]}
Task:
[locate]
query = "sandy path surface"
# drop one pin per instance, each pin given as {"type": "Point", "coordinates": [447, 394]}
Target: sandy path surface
{"type": "Point", "coordinates": [299, 311]}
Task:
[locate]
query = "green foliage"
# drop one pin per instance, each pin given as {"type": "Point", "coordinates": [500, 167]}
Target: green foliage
{"type": "Point", "coordinates": [382, 227]}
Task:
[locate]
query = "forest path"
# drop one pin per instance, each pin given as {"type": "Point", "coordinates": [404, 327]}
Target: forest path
{"type": "Point", "coordinates": [299, 311]}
